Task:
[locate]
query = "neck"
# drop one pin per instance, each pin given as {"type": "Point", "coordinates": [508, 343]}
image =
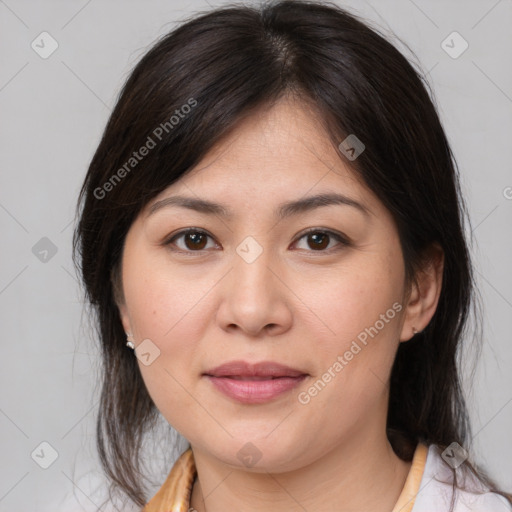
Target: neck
{"type": "Point", "coordinates": [362, 473]}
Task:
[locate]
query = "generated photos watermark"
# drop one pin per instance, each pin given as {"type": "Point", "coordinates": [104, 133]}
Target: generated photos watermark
{"type": "Point", "coordinates": [151, 142]}
{"type": "Point", "coordinates": [356, 346]}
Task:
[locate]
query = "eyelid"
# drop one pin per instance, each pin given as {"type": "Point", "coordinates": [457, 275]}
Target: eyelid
{"type": "Point", "coordinates": [169, 240]}
{"type": "Point", "coordinates": [342, 239]}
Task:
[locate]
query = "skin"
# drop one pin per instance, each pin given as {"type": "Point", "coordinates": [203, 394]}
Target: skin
{"type": "Point", "coordinates": [295, 304]}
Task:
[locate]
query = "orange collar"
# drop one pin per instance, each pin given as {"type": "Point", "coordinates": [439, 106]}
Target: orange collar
{"type": "Point", "coordinates": [412, 482]}
{"type": "Point", "coordinates": [174, 495]}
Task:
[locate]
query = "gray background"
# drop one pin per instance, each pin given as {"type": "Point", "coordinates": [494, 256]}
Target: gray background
{"type": "Point", "coordinates": [53, 112]}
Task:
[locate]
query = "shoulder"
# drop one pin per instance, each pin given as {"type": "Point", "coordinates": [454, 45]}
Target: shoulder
{"type": "Point", "coordinates": [436, 489]}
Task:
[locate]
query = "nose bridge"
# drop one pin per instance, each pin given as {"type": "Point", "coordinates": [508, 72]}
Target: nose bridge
{"type": "Point", "coordinates": [251, 270]}
{"type": "Point", "coordinates": [253, 297]}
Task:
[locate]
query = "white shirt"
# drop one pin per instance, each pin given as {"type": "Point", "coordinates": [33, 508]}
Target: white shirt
{"type": "Point", "coordinates": [435, 491]}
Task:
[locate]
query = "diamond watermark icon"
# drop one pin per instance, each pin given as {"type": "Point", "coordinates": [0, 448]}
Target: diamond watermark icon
{"type": "Point", "coordinates": [44, 455]}
{"type": "Point", "coordinates": [44, 250]}
{"type": "Point", "coordinates": [249, 455]}
{"type": "Point", "coordinates": [351, 147]}
{"type": "Point", "coordinates": [249, 250]}
{"type": "Point", "coordinates": [146, 352]}
{"type": "Point", "coordinates": [454, 45]}
{"type": "Point", "coordinates": [44, 45]}
{"type": "Point", "coordinates": [454, 455]}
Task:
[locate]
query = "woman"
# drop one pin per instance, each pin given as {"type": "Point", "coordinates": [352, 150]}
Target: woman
{"type": "Point", "coordinates": [273, 222]}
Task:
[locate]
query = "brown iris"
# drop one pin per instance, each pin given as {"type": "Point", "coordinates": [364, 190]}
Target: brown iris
{"type": "Point", "coordinates": [198, 240]}
{"type": "Point", "coordinates": [321, 240]}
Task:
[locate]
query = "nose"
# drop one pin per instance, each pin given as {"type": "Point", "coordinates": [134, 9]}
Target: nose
{"type": "Point", "coordinates": [255, 298]}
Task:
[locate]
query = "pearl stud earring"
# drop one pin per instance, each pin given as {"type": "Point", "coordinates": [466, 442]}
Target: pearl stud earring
{"type": "Point", "coordinates": [129, 343]}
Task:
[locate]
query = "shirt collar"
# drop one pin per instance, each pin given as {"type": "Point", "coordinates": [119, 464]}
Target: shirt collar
{"type": "Point", "coordinates": [174, 495]}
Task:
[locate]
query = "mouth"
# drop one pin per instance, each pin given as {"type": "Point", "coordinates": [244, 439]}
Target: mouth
{"type": "Point", "coordinates": [254, 383]}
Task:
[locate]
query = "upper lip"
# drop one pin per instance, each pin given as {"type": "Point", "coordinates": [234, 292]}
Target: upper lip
{"type": "Point", "coordinates": [246, 369]}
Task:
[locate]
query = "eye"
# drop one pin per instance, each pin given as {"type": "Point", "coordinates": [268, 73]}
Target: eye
{"type": "Point", "coordinates": [194, 240]}
{"type": "Point", "coordinates": [319, 240]}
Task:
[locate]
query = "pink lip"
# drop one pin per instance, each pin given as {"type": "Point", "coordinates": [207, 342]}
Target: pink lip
{"type": "Point", "coordinates": [254, 391]}
{"type": "Point", "coordinates": [254, 383]}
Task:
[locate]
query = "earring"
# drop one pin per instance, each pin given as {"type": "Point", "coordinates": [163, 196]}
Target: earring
{"type": "Point", "coordinates": [129, 343]}
{"type": "Point", "coordinates": [415, 331]}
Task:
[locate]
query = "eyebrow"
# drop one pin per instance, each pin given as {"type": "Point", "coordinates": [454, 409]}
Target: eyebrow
{"type": "Point", "coordinates": [284, 210]}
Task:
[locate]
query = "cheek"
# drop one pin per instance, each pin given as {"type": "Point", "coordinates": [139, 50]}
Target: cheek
{"type": "Point", "coordinates": [357, 330]}
{"type": "Point", "coordinates": [361, 302]}
{"type": "Point", "coordinates": [172, 309]}
{"type": "Point", "coordinates": [161, 298]}
{"type": "Point", "coordinates": [165, 314]}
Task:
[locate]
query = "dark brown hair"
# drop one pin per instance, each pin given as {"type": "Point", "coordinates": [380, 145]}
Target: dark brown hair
{"type": "Point", "coordinates": [225, 64]}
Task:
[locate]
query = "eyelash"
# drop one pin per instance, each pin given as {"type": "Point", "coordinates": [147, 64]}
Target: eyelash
{"type": "Point", "coordinates": [343, 241]}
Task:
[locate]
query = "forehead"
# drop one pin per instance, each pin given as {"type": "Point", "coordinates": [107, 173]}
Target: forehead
{"type": "Point", "coordinates": [272, 156]}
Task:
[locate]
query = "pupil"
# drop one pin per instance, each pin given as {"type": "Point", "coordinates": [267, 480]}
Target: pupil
{"type": "Point", "coordinates": [195, 238]}
{"type": "Point", "coordinates": [315, 237]}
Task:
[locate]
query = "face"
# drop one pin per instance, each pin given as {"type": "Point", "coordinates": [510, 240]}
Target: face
{"type": "Point", "coordinates": [318, 289]}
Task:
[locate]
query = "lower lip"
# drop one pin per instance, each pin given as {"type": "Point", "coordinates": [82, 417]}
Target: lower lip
{"type": "Point", "coordinates": [255, 391]}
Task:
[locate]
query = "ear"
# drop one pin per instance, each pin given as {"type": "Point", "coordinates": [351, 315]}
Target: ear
{"type": "Point", "coordinates": [424, 293]}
